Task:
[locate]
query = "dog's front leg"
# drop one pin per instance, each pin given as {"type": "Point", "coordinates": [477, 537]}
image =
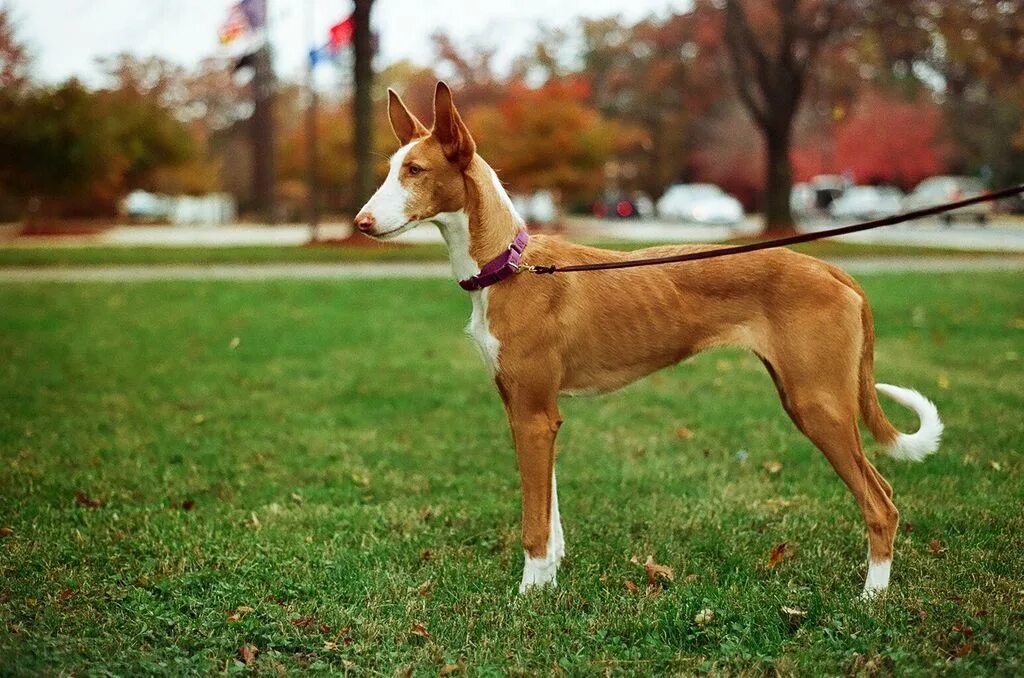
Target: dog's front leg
{"type": "Point", "coordinates": [534, 427]}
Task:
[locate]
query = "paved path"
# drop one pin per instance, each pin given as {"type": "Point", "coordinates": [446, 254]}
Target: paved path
{"type": "Point", "coordinates": [329, 271]}
{"type": "Point", "coordinates": [1002, 234]}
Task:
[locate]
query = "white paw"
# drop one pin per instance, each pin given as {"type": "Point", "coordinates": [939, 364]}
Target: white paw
{"type": "Point", "coordinates": [877, 580]}
{"type": "Point", "coordinates": [538, 572]}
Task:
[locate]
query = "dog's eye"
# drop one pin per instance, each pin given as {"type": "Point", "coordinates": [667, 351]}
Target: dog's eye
{"type": "Point", "coordinates": [415, 169]}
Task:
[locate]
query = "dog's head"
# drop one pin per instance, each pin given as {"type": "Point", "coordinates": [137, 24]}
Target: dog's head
{"type": "Point", "coordinates": [426, 174]}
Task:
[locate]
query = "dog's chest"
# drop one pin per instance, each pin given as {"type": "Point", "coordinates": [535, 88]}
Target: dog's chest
{"type": "Point", "coordinates": [479, 328]}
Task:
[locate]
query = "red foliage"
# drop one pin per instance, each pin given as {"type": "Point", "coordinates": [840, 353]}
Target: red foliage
{"type": "Point", "coordinates": [886, 139]}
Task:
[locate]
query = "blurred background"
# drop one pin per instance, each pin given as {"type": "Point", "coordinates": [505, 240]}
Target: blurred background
{"type": "Point", "coordinates": [751, 116]}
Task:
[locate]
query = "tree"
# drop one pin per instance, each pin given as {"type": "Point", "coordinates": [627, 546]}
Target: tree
{"type": "Point", "coordinates": [362, 47]}
{"type": "Point", "coordinates": [654, 76]}
{"type": "Point", "coordinates": [548, 138]}
{"type": "Point", "coordinates": [14, 58]}
{"type": "Point", "coordinates": [886, 138]}
{"type": "Point", "coordinates": [771, 65]}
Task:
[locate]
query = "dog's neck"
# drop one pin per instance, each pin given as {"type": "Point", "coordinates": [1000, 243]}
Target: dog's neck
{"type": "Point", "coordinates": [486, 226]}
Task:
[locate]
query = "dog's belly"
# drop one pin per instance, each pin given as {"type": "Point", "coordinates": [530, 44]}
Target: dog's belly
{"type": "Point", "coordinates": [602, 377]}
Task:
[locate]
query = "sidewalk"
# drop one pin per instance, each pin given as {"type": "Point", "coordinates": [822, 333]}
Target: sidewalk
{"type": "Point", "coordinates": [330, 271]}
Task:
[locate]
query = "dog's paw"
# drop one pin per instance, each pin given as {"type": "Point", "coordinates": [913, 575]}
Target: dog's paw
{"type": "Point", "coordinates": [538, 572]}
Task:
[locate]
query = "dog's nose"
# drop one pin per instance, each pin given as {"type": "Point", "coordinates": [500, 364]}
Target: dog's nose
{"type": "Point", "coordinates": [365, 222]}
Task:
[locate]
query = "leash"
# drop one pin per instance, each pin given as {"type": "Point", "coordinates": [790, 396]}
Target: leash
{"type": "Point", "coordinates": [779, 242]}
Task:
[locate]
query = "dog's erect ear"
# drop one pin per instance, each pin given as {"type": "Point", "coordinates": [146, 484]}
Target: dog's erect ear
{"type": "Point", "coordinates": [404, 124]}
{"type": "Point", "coordinates": [456, 141]}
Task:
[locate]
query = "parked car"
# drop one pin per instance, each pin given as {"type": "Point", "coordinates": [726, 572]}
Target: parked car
{"type": "Point", "coordinates": [538, 208]}
{"type": "Point", "coordinates": [867, 202]}
{"type": "Point", "coordinates": [938, 190]}
{"type": "Point", "coordinates": [613, 205]}
{"type": "Point", "coordinates": [815, 196]}
{"type": "Point", "coordinates": [700, 203]}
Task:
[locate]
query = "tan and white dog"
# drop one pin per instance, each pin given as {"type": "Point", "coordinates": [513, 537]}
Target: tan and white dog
{"type": "Point", "coordinates": [542, 336]}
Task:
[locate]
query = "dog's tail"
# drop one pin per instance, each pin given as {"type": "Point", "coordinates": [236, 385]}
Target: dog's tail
{"type": "Point", "coordinates": [904, 446]}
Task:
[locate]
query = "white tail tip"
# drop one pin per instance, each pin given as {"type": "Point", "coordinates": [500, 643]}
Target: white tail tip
{"type": "Point", "coordinates": [914, 446]}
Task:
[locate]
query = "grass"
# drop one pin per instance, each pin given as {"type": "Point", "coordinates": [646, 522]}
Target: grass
{"type": "Point", "coordinates": [107, 255]}
{"type": "Point", "coordinates": [341, 473]}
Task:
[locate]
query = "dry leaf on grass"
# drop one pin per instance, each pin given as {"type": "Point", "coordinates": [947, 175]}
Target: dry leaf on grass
{"type": "Point", "coordinates": [779, 553]}
{"type": "Point", "coordinates": [654, 571]}
{"type": "Point", "coordinates": [772, 467]}
{"type": "Point", "coordinates": [247, 653]}
{"type": "Point", "coordinates": [238, 613]}
{"type": "Point", "coordinates": [6, 532]}
{"type": "Point", "coordinates": [449, 669]}
{"type": "Point", "coordinates": [88, 502]}
{"type": "Point", "coordinates": [936, 547]}
{"type": "Point", "coordinates": [683, 433]}
{"type": "Point", "coordinates": [420, 630]}
{"type": "Point", "coordinates": [962, 651]}
{"type": "Point", "coordinates": [630, 586]}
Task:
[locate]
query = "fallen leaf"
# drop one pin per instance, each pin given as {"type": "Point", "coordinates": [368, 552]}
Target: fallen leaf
{"type": "Point", "coordinates": [654, 571]}
{"type": "Point", "coordinates": [943, 381]}
{"type": "Point", "coordinates": [233, 344]}
{"type": "Point", "coordinates": [253, 521]}
{"type": "Point", "coordinates": [630, 586]}
{"type": "Point", "coordinates": [247, 653]}
{"type": "Point", "coordinates": [996, 466]}
{"type": "Point", "coordinates": [297, 498]}
{"type": "Point", "coordinates": [936, 547]}
{"type": "Point", "coordinates": [908, 527]}
{"type": "Point", "coordinates": [683, 433]}
{"type": "Point", "coordinates": [426, 555]}
{"type": "Point", "coordinates": [238, 613]}
{"type": "Point", "coordinates": [963, 651]}
{"type": "Point", "coordinates": [449, 669]}
{"type": "Point", "coordinates": [704, 616]}
{"type": "Point", "coordinates": [188, 505]}
{"type": "Point", "coordinates": [690, 578]}
{"type": "Point", "coordinates": [425, 588]}
{"type": "Point", "coordinates": [199, 419]}
{"type": "Point", "coordinates": [87, 501]}
{"type": "Point", "coordinates": [6, 532]}
{"type": "Point", "coordinates": [603, 578]}
{"type": "Point", "coordinates": [420, 630]}
{"type": "Point", "coordinates": [779, 553]}
{"type": "Point", "coordinates": [360, 479]}
{"type": "Point", "coordinates": [794, 616]}
{"type": "Point", "coordinates": [772, 467]}
{"type": "Point", "coordinates": [963, 629]}
{"type": "Point", "coordinates": [66, 594]}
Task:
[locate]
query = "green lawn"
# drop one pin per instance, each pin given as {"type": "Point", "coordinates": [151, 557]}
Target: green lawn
{"type": "Point", "coordinates": [322, 470]}
{"type": "Point", "coordinates": [95, 256]}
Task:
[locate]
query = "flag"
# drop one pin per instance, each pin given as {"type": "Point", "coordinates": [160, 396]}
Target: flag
{"type": "Point", "coordinates": [254, 13]}
{"type": "Point", "coordinates": [322, 53]}
{"type": "Point", "coordinates": [234, 27]}
{"type": "Point", "coordinates": [341, 33]}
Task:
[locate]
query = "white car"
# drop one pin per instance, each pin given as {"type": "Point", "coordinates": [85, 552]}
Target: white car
{"type": "Point", "coordinates": [538, 208]}
{"type": "Point", "coordinates": [938, 190]}
{"type": "Point", "coordinates": [867, 202]}
{"type": "Point", "coordinates": [700, 203]}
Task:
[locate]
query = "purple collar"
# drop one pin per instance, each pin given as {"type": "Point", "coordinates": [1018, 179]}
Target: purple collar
{"type": "Point", "coordinates": [500, 267]}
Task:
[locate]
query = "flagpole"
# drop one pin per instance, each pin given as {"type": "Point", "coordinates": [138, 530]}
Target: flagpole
{"type": "Point", "coordinates": [312, 152]}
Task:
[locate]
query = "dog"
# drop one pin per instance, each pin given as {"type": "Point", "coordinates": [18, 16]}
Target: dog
{"type": "Point", "coordinates": [542, 336]}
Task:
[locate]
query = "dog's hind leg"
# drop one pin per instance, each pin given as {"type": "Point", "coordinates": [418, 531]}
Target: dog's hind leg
{"type": "Point", "coordinates": [829, 419]}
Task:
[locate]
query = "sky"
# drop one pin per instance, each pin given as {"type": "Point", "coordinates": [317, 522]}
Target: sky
{"type": "Point", "coordinates": [66, 36]}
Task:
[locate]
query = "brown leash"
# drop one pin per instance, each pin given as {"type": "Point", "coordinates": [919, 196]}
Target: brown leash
{"type": "Point", "coordinates": [781, 242]}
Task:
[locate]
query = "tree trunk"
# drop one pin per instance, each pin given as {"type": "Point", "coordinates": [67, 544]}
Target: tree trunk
{"type": "Point", "coordinates": [778, 218]}
{"type": "Point", "coordinates": [362, 43]}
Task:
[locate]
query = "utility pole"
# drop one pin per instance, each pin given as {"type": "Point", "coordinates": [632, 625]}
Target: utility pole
{"type": "Point", "coordinates": [362, 43]}
{"type": "Point", "coordinates": [312, 154]}
{"type": "Point", "coordinates": [263, 125]}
